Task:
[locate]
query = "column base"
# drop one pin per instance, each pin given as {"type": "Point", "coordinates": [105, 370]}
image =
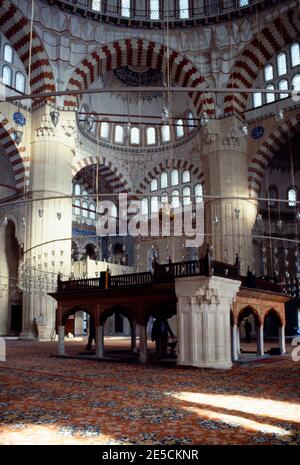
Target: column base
{"type": "Point", "coordinates": [214, 365]}
{"type": "Point", "coordinates": [27, 336]}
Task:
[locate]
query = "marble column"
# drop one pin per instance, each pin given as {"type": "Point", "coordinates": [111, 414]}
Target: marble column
{"type": "Point", "coordinates": [282, 339]}
{"type": "Point", "coordinates": [99, 342]}
{"type": "Point", "coordinates": [260, 340]}
{"type": "Point", "coordinates": [143, 344]}
{"type": "Point", "coordinates": [203, 310]}
{"type": "Point", "coordinates": [61, 340]}
{"type": "Point", "coordinates": [238, 340]}
{"type": "Point", "coordinates": [235, 356]}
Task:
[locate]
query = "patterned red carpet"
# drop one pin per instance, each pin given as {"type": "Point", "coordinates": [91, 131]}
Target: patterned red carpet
{"type": "Point", "coordinates": [46, 400]}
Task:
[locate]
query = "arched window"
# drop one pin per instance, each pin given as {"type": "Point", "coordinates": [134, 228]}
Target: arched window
{"type": "Point", "coordinates": [6, 75]}
{"type": "Point", "coordinates": [8, 53]}
{"type": "Point", "coordinates": [92, 211]}
{"type": "Point", "coordinates": [77, 207]}
{"type": "Point", "coordinates": [295, 54]}
{"type": "Point", "coordinates": [179, 128]}
{"type": "Point", "coordinates": [20, 82]}
{"type": "Point", "coordinates": [145, 208]}
{"type": "Point", "coordinates": [85, 207]}
{"type": "Point", "coordinates": [83, 116]}
{"type": "Point", "coordinates": [77, 189]}
{"type": "Point", "coordinates": [135, 135]}
{"type": "Point", "coordinates": [296, 82]}
{"type": "Point", "coordinates": [164, 198]}
{"type": "Point", "coordinates": [190, 121]}
{"type": "Point", "coordinates": [270, 97]}
{"type": "Point", "coordinates": [154, 185]}
{"type": "Point", "coordinates": [125, 8]}
{"type": "Point", "coordinates": [184, 9]}
{"type": "Point", "coordinates": [186, 192]}
{"type": "Point", "coordinates": [292, 197]}
{"type": "Point", "coordinates": [164, 180]}
{"type": "Point", "coordinates": [273, 196]}
{"type": "Point", "coordinates": [150, 136]}
{"type": "Point", "coordinates": [166, 133]}
{"type": "Point", "coordinates": [198, 192]}
{"type": "Point", "coordinates": [154, 9]}
{"type": "Point", "coordinates": [85, 194]}
{"type": "Point", "coordinates": [113, 211]}
{"type": "Point", "coordinates": [257, 100]}
{"type": "Point", "coordinates": [96, 5]}
{"type": "Point", "coordinates": [283, 85]}
{"type": "Point", "coordinates": [186, 176]}
{"type": "Point", "coordinates": [104, 130]}
{"type": "Point", "coordinates": [154, 204]}
{"type": "Point", "coordinates": [281, 64]}
{"type": "Point", "coordinates": [92, 124]}
{"type": "Point", "coordinates": [174, 177]}
{"type": "Point", "coordinates": [268, 72]}
{"type": "Point", "coordinates": [119, 134]}
{"type": "Point", "coordinates": [175, 199]}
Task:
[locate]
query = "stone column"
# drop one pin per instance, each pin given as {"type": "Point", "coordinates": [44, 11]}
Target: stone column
{"type": "Point", "coordinates": [99, 342]}
{"type": "Point", "coordinates": [61, 340]}
{"type": "Point", "coordinates": [238, 340]}
{"type": "Point", "coordinates": [133, 337]}
{"type": "Point", "coordinates": [228, 219]}
{"type": "Point", "coordinates": [203, 310]}
{"type": "Point", "coordinates": [260, 340]}
{"type": "Point", "coordinates": [235, 356]}
{"type": "Point", "coordinates": [47, 220]}
{"type": "Point", "coordinates": [282, 339]}
{"type": "Point", "coordinates": [143, 344]}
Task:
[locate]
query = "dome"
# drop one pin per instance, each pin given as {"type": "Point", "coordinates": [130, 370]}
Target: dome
{"type": "Point", "coordinates": [155, 13]}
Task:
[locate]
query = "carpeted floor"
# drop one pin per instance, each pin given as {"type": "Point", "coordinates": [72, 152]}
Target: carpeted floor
{"type": "Point", "coordinates": [47, 400]}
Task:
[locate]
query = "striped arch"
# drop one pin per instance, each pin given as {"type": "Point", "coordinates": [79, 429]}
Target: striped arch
{"type": "Point", "coordinates": [107, 171]}
{"type": "Point", "coordinates": [16, 154]}
{"type": "Point", "coordinates": [139, 52]}
{"type": "Point", "coordinates": [166, 166]}
{"type": "Point", "coordinates": [255, 55]}
{"type": "Point", "coordinates": [268, 149]}
{"type": "Point", "coordinates": [16, 28]}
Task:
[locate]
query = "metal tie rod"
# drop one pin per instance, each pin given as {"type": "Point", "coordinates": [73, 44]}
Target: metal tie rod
{"type": "Point", "coordinates": [218, 90]}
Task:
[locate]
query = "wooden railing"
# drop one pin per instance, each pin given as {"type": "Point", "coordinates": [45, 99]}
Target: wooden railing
{"type": "Point", "coordinates": [161, 274]}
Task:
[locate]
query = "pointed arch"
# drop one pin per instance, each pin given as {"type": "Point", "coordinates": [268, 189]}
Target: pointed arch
{"type": "Point", "coordinates": [16, 28]}
{"type": "Point", "coordinates": [139, 52]}
{"type": "Point", "coordinates": [270, 40]}
{"type": "Point", "coordinates": [166, 166]}
{"type": "Point", "coordinates": [267, 150]}
{"type": "Point", "coordinates": [17, 155]}
{"type": "Point", "coordinates": [109, 173]}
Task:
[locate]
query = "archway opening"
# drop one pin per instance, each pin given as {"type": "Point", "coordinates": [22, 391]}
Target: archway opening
{"type": "Point", "coordinates": [79, 331]}
{"type": "Point", "coordinates": [162, 334]}
{"type": "Point", "coordinates": [248, 325]}
{"type": "Point", "coordinates": [272, 326]}
{"type": "Point", "coordinates": [120, 333]}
